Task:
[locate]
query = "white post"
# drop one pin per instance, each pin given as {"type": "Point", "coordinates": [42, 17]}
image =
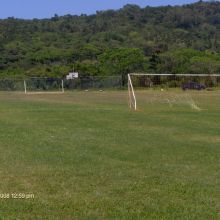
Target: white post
{"type": "Point", "coordinates": [25, 87]}
{"type": "Point", "coordinates": [133, 94]}
{"type": "Point", "coordinates": [62, 86]}
{"type": "Point", "coordinates": [129, 93]}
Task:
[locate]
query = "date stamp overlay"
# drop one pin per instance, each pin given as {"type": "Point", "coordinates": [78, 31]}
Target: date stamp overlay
{"type": "Point", "coordinates": [16, 196]}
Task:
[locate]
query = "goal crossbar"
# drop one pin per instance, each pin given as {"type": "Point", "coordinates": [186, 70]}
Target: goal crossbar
{"type": "Point", "coordinates": [169, 74]}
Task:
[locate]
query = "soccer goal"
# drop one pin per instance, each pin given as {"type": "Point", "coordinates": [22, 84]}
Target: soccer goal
{"type": "Point", "coordinates": [37, 85]}
{"type": "Point", "coordinates": [169, 88]}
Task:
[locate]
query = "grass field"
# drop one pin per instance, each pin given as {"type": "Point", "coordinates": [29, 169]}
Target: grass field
{"type": "Point", "coordinates": [88, 156]}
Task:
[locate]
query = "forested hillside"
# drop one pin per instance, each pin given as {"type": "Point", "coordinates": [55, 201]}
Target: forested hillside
{"type": "Point", "coordinates": [180, 39]}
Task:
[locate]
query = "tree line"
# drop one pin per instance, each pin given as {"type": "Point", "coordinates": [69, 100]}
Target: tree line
{"type": "Point", "coordinates": [168, 39]}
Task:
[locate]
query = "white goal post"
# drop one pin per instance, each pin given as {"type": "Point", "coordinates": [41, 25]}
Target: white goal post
{"type": "Point", "coordinates": [131, 94]}
{"type": "Point", "coordinates": [41, 85]}
{"type": "Point", "coordinates": [168, 81]}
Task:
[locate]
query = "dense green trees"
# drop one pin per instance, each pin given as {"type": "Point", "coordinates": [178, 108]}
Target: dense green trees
{"type": "Point", "coordinates": [179, 39]}
{"type": "Point", "coordinates": [121, 61]}
{"type": "Point", "coordinates": [189, 61]}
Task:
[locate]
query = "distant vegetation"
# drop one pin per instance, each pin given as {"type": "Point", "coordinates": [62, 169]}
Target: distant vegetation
{"type": "Point", "coordinates": [180, 39]}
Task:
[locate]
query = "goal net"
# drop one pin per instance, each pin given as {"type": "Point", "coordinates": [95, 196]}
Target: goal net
{"type": "Point", "coordinates": [43, 85]}
{"type": "Point", "coordinates": [170, 89]}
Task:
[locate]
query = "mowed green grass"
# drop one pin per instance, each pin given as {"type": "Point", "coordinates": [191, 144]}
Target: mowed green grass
{"type": "Point", "coordinates": [88, 156]}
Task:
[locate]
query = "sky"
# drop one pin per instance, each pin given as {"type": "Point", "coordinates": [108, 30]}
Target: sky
{"type": "Point", "coordinates": [29, 9]}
